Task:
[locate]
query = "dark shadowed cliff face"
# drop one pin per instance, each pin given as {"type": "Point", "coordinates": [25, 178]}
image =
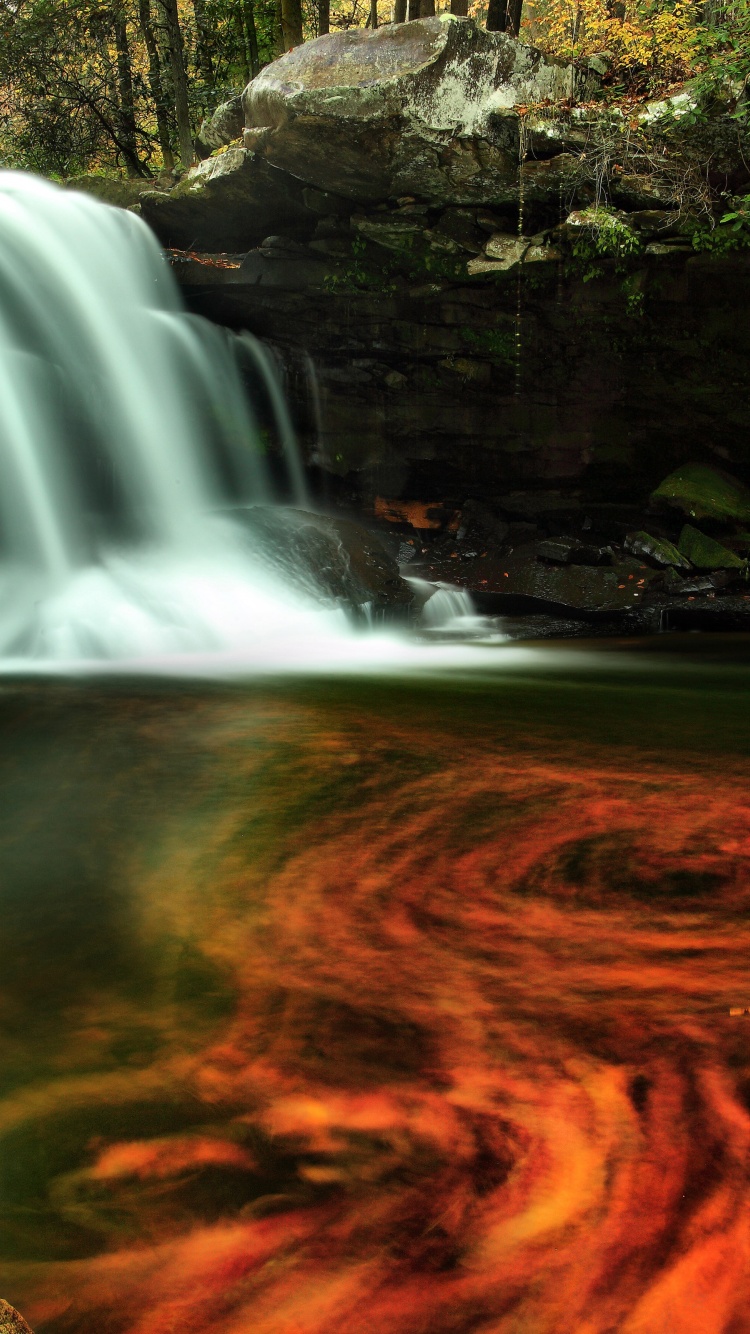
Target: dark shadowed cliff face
{"type": "Point", "coordinates": [447, 389]}
{"type": "Point", "coordinates": [478, 274]}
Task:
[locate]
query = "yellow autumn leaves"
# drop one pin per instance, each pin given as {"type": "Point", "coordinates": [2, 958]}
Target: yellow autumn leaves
{"type": "Point", "coordinates": [639, 36]}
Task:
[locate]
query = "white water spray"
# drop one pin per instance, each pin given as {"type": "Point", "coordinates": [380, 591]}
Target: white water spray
{"type": "Point", "coordinates": [125, 431]}
{"type": "Point", "coordinates": [128, 450]}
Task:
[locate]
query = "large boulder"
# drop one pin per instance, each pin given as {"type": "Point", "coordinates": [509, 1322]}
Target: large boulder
{"type": "Point", "coordinates": [428, 108]}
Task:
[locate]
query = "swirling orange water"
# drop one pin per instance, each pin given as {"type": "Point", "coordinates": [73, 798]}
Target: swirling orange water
{"type": "Point", "coordinates": [416, 1021]}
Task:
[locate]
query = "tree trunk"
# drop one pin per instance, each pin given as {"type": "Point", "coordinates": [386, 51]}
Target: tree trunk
{"type": "Point", "coordinates": [179, 81]}
{"type": "Point", "coordinates": [373, 13]}
{"type": "Point", "coordinates": [460, 8]}
{"type": "Point", "coordinates": [399, 11]}
{"type": "Point", "coordinates": [505, 16]}
{"type": "Point", "coordinates": [414, 10]}
{"type": "Point", "coordinates": [324, 17]}
{"type": "Point", "coordinates": [203, 54]}
{"type": "Point", "coordinates": [155, 83]}
{"type": "Point", "coordinates": [239, 29]}
{"type": "Point", "coordinates": [278, 31]}
{"type": "Point", "coordinates": [497, 16]}
{"type": "Point", "coordinates": [427, 9]}
{"type": "Point", "coordinates": [291, 23]}
{"type": "Point", "coordinates": [127, 130]}
{"type": "Point", "coordinates": [252, 37]}
{"type": "Point", "coordinates": [513, 20]}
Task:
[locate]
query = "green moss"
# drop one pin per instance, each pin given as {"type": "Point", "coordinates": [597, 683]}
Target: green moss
{"type": "Point", "coordinates": [375, 269]}
{"type": "Point", "coordinates": [604, 235]}
{"type": "Point", "coordinates": [705, 493]}
{"type": "Point", "coordinates": [705, 553]}
{"type": "Point", "coordinates": [499, 344]}
{"type": "Point", "coordinates": [732, 232]}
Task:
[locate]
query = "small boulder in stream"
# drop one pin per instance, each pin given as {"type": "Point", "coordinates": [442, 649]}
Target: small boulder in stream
{"type": "Point", "coordinates": [657, 549]}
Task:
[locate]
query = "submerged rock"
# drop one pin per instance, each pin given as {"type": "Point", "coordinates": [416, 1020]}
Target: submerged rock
{"type": "Point", "coordinates": [705, 493]}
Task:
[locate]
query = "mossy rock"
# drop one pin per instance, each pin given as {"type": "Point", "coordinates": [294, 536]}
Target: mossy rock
{"type": "Point", "coordinates": [120, 191]}
{"type": "Point", "coordinates": [705, 553]}
{"type": "Point", "coordinates": [705, 493]}
{"type": "Point", "coordinates": [657, 549]}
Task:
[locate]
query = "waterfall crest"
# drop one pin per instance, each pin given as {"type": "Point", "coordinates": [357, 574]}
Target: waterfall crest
{"type": "Point", "coordinates": [126, 436]}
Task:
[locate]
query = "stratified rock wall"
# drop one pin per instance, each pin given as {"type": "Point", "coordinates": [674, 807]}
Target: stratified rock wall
{"type": "Point", "coordinates": [535, 378]}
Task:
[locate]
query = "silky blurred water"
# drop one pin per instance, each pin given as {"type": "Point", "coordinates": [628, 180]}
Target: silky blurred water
{"type": "Point", "coordinates": [127, 437]}
{"type": "Point", "coordinates": [386, 1005]}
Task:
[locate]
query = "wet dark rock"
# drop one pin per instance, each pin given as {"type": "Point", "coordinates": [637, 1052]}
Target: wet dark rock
{"type": "Point", "coordinates": [11, 1320]}
{"type": "Point", "coordinates": [705, 553]}
{"type": "Point", "coordinates": [392, 232]}
{"type": "Point", "coordinates": [569, 551]}
{"type": "Point", "coordinates": [480, 526]}
{"type": "Point", "coordinates": [229, 202]}
{"type": "Point", "coordinates": [701, 583]}
{"type": "Point", "coordinates": [520, 576]}
{"type": "Point", "coordinates": [655, 222]}
{"type": "Point", "coordinates": [657, 549]}
{"type": "Point", "coordinates": [461, 226]}
{"type": "Point", "coordinates": [727, 614]}
{"type": "Point", "coordinates": [340, 562]}
{"type": "Point", "coordinates": [582, 587]}
{"type": "Point", "coordinates": [292, 272]}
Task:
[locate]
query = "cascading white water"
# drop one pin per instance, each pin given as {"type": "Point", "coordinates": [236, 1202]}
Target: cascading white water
{"type": "Point", "coordinates": [127, 445]}
{"type": "Point", "coordinates": [125, 431]}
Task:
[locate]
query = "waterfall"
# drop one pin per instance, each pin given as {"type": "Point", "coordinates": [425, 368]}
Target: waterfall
{"type": "Point", "coordinates": [126, 438]}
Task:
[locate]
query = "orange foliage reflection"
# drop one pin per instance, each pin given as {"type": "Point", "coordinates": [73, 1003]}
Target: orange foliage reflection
{"type": "Point", "coordinates": [481, 1074]}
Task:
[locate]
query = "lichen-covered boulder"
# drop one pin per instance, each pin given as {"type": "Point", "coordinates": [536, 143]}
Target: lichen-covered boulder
{"type": "Point", "coordinates": [427, 108]}
{"type": "Point", "coordinates": [222, 127]}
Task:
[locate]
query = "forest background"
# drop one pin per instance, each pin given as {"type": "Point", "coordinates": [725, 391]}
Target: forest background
{"type": "Point", "coordinates": [121, 86]}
